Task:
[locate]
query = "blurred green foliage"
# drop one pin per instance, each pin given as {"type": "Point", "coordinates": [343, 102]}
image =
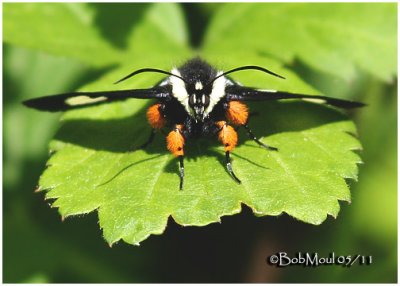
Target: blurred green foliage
{"type": "Point", "coordinates": [39, 248]}
{"type": "Point", "coordinates": [330, 38]}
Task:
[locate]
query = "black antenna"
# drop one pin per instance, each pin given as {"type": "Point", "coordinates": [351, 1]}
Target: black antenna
{"type": "Point", "coordinates": [247, 68]}
{"type": "Point", "coordinates": [149, 70]}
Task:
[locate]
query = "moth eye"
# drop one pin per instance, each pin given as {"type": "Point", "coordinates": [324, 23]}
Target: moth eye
{"type": "Point", "coordinates": [192, 100]}
{"type": "Point", "coordinates": [206, 100]}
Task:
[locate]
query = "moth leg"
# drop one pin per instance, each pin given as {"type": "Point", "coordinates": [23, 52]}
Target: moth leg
{"type": "Point", "coordinates": [228, 136]}
{"type": "Point", "coordinates": [149, 140]}
{"type": "Point", "coordinates": [253, 137]}
{"type": "Point", "coordinates": [175, 143]}
{"type": "Point", "coordinates": [229, 167]}
{"type": "Point", "coordinates": [238, 113]}
{"type": "Point", "coordinates": [155, 115]}
{"type": "Point", "coordinates": [156, 120]}
{"type": "Point", "coordinates": [181, 172]}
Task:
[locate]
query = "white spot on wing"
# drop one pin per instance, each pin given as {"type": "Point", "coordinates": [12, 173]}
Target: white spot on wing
{"type": "Point", "coordinates": [217, 92]}
{"type": "Point", "coordinates": [267, 90]}
{"type": "Point", "coordinates": [315, 100]}
{"type": "Point", "coordinates": [83, 99]}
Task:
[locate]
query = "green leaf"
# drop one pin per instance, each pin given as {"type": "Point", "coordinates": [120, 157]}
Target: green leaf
{"type": "Point", "coordinates": [63, 29]}
{"type": "Point", "coordinates": [335, 38]}
{"type": "Point", "coordinates": [136, 192]}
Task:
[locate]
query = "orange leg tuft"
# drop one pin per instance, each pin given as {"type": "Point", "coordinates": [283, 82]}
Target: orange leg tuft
{"type": "Point", "coordinates": [227, 135]}
{"type": "Point", "coordinates": [237, 113]}
{"type": "Point", "coordinates": [175, 141]}
{"type": "Point", "coordinates": [154, 116]}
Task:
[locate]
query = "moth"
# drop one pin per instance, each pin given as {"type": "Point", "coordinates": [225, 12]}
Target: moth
{"type": "Point", "coordinates": [193, 100]}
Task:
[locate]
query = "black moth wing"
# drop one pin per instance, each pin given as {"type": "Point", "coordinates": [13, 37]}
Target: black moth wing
{"type": "Point", "coordinates": [74, 100]}
{"type": "Point", "coordinates": [241, 93]}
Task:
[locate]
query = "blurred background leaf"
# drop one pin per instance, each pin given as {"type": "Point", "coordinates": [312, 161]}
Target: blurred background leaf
{"type": "Point", "coordinates": [39, 248]}
{"type": "Point", "coordinates": [64, 29]}
{"type": "Point", "coordinates": [330, 38]}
